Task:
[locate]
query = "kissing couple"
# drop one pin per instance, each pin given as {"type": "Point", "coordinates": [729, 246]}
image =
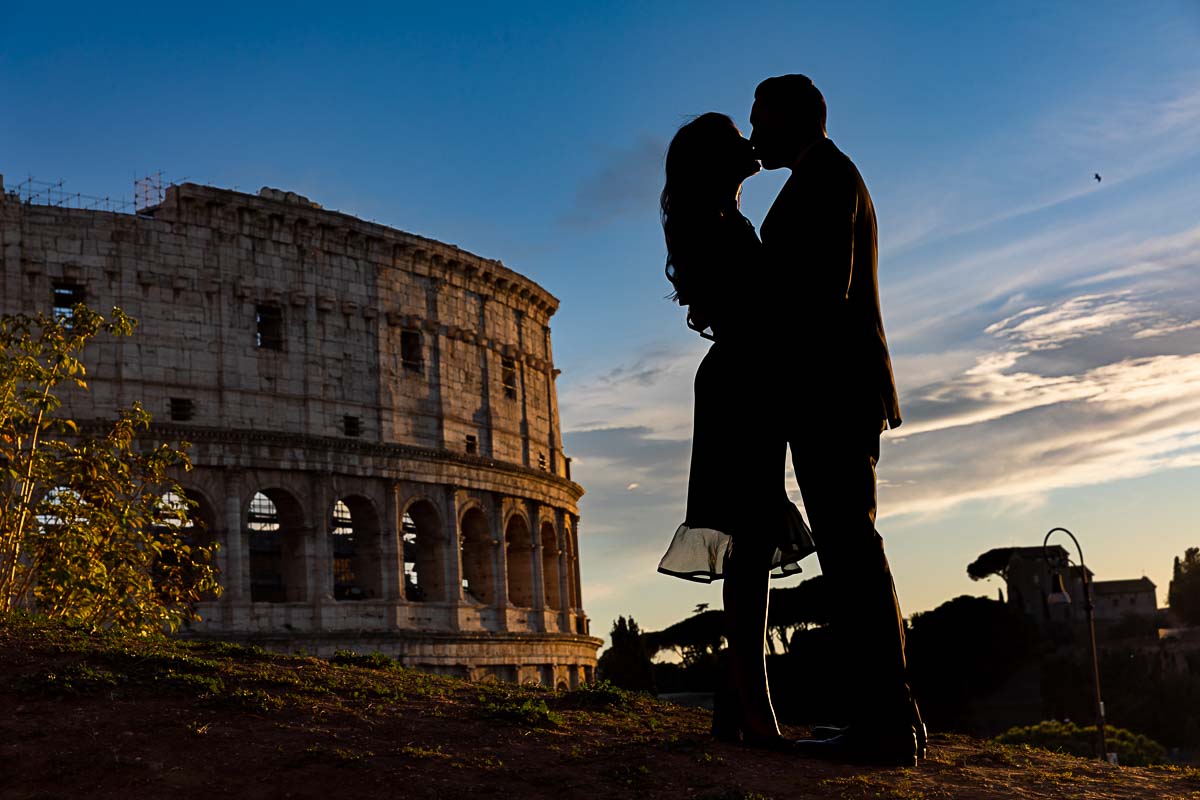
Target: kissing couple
{"type": "Point", "coordinates": [798, 358]}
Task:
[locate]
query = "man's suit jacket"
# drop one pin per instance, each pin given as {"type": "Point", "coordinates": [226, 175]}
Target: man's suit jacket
{"type": "Point", "coordinates": [820, 241]}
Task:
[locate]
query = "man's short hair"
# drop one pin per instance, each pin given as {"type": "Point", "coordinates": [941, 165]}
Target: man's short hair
{"type": "Point", "coordinates": [796, 96]}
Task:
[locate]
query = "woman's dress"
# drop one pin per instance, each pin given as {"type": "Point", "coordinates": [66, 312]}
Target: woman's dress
{"type": "Point", "coordinates": [735, 483]}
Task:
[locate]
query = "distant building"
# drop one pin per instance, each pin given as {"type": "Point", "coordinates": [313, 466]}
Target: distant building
{"type": "Point", "coordinates": [373, 413]}
{"type": "Point", "coordinates": [1116, 600]}
{"type": "Point", "coordinates": [1029, 576]}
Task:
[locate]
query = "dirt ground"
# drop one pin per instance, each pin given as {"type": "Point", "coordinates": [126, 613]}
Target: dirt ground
{"type": "Point", "coordinates": [99, 717]}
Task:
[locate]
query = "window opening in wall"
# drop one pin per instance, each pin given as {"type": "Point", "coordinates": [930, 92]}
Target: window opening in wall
{"type": "Point", "coordinates": [472, 445]}
{"type": "Point", "coordinates": [408, 534]}
{"type": "Point", "coordinates": [67, 295]}
{"type": "Point", "coordinates": [269, 322]}
{"type": "Point", "coordinates": [541, 460]}
{"type": "Point", "coordinates": [345, 549]}
{"type": "Point", "coordinates": [266, 554]}
{"type": "Point", "coordinates": [263, 518]}
{"type": "Point", "coordinates": [508, 377]}
{"type": "Point", "coordinates": [411, 355]}
{"type": "Point", "coordinates": [351, 425]}
{"type": "Point", "coordinates": [476, 542]}
{"type": "Point", "coordinates": [182, 409]}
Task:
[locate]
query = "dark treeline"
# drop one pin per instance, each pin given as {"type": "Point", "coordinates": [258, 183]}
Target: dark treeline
{"type": "Point", "coordinates": [977, 666]}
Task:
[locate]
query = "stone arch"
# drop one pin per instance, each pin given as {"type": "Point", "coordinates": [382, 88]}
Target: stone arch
{"type": "Point", "coordinates": [421, 541]}
{"type": "Point", "coordinates": [356, 548]}
{"type": "Point", "coordinates": [519, 546]}
{"type": "Point", "coordinates": [550, 571]}
{"type": "Point", "coordinates": [274, 523]}
{"type": "Point", "coordinates": [201, 529]}
{"type": "Point", "coordinates": [478, 581]}
{"type": "Point", "coordinates": [205, 512]}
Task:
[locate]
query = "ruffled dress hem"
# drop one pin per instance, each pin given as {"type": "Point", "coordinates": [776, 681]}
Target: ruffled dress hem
{"type": "Point", "coordinates": [699, 554]}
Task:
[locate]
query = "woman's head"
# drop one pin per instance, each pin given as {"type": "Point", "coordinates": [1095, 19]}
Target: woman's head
{"type": "Point", "coordinates": [706, 163]}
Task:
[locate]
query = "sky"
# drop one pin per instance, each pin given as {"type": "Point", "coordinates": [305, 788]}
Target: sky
{"type": "Point", "coordinates": [1043, 325]}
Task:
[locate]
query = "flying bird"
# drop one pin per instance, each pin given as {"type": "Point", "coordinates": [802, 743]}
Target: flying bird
{"type": "Point", "coordinates": [1096, 176]}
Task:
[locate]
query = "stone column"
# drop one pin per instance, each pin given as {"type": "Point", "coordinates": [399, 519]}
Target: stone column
{"type": "Point", "coordinates": [500, 557]}
{"type": "Point", "coordinates": [564, 585]}
{"type": "Point", "coordinates": [318, 548]}
{"type": "Point", "coordinates": [575, 579]}
{"type": "Point", "coordinates": [236, 577]}
{"type": "Point", "coordinates": [452, 554]}
{"type": "Point", "coordinates": [537, 573]}
{"type": "Point", "coordinates": [432, 329]}
{"type": "Point", "coordinates": [487, 441]}
{"type": "Point", "coordinates": [391, 555]}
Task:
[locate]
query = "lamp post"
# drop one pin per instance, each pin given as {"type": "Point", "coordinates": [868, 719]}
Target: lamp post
{"type": "Point", "coordinates": [1061, 597]}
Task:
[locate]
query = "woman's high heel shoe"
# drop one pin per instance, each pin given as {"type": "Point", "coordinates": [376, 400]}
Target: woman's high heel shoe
{"type": "Point", "coordinates": [728, 725]}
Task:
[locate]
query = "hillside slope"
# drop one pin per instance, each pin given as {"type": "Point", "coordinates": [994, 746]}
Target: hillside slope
{"type": "Point", "coordinates": [105, 715]}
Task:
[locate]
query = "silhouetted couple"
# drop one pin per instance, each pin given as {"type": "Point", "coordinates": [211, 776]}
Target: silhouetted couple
{"type": "Point", "coordinates": [798, 357]}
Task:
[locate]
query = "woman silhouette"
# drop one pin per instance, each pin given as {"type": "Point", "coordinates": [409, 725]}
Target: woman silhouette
{"type": "Point", "coordinates": [735, 486]}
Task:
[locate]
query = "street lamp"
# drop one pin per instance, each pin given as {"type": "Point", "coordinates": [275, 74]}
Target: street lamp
{"type": "Point", "coordinates": [1060, 596]}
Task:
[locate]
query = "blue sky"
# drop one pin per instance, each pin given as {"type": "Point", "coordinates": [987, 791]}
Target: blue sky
{"type": "Point", "coordinates": [1043, 325]}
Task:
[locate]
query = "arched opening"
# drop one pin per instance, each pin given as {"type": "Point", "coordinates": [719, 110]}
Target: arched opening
{"type": "Point", "coordinates": [354, 542]}
{"type": "Point", "coordinates": [550, 571]}
{"type": "Point", "coordinates": [421, 538]}
{"type": "Point", "coordinates": [274, 533]}
{"type": "Point", "coordinates": [191, 517]}
{"type": "Point", "coordinates": [571, 565]}
{"type": "Point", "coordinates": [61, 507]}
{"type": "Point", "coordinates": [519, 557]}
{"type": "Point", "coordinates": [478, 583]}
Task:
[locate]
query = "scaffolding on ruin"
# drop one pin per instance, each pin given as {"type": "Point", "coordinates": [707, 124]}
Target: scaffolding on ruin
{"type": "Point", "coordinates": [148, 191]}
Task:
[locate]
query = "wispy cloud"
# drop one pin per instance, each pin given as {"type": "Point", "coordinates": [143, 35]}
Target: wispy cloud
{"type": "Point", "coordinates": [1009, 429]}
{"type": "Point", "coordinates": [627, 182]}
{"type": "Point", "coordinates": [1158, 255]}
{"type": "Point", "coordinates": [652, 391]}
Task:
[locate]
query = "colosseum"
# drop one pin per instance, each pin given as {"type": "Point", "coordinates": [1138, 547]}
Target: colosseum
{"type": "Point", "coordinates": [373, 416]}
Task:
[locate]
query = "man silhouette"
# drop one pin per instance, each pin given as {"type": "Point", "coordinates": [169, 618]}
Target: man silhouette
{"type": "Point", "coordinates": [820, 243]}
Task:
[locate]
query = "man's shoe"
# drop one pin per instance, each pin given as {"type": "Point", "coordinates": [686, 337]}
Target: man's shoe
{"type": "Point", "coordinates": [884, 748]}
{"type": "Point", "coordinates": [828, 731]}
{"type": "Point", "coordinates": [922, 734]}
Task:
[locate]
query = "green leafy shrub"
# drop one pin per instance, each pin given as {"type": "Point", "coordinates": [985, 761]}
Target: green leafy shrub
{"type": "Point", "coordinates": [598, 694]}
{"type": "Point", "coordinates": [1132, 749]}
{"type": "Point", "coordinates": [375, 660]}
{"type": "Point", "coordinates": [514, 707]}
{"type": "Point", "coordinates": [93, 526]}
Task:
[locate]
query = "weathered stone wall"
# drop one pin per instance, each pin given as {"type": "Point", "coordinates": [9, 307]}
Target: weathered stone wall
{"type": "Point", "coordinates": [408, 377]}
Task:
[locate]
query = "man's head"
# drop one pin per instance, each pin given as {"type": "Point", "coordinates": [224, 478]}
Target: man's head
{"type": "Point", "coordinates": [788, 115]}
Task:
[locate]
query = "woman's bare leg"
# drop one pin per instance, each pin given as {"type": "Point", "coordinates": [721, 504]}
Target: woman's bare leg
{"type": "Point", "coordinates": [745, 595]}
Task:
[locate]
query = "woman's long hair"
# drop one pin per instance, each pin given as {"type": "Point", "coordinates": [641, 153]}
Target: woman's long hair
{"type": "Point", "coordinates": [692, 198]}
